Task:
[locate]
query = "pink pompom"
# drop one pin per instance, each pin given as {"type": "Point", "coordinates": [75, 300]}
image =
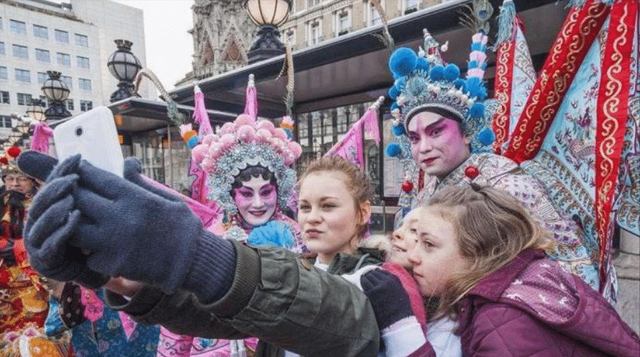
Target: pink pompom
{"type": "Point", "coordinates": [246, 133]}
{"type": "Point", "coordinates": [295, 148]}
{"type": "Point", "coordinates": [265, 124]}
{"type": "Point", "coordinates": [206, 164]}
{"type": "Point", "coordinates": [244, 119]}
{"type": "Point", "coordinates": [263, 135]}
{"type": "Point", "coordinates": [278, 144]}
{"type": "Point", "coordinates": [227, 128]}
{"type": "Point", "coordinates": [199, 152]}
{"type": "Point", "coordinates": [227, 140]}
{"type": "Point", "coordinates": [208, 139]}
{"type": "Point", "coordinates": [280, 134]}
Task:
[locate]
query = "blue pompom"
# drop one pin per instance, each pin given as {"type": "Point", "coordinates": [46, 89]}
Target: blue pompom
{"type": "Point", "coordinates": [422, 64]}
{"type": "Point", "coordinates": [459, 83]}
{"type": "Point", "coordinates": [473, 64]}
{"type": "Point", "coordinates": [451, 72]}
{"type": "Point", "coordinates": [193, 141]}
{"type": "Point", "coordinates": [393, 92]}
{"type": "Point", "coordinates": [478, 46]}
{"type": "Point", "coordinates": [399, 83]}
{"type": "Point", "coordinates": [476, 111]}
{"type": "Point", "coordinates": [437, 73]}
{"type": "Point", "coordinates": [403, 61]}
{"type": "Point", "coordinates": [272, 234]}
{"type": "Point", "coordinates": [394, 105]}
{"type": "Point", "coordinates": [398, 130]}
{"type": "Point", "coordinates": [393, 150]}
{"type": "Point", "coordinates": [486, 137]}
{"type": "Point", "coordinates": [476, 88]}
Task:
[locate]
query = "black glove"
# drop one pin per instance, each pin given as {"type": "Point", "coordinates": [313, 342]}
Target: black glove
{"type": "Point", "coordinates": [52, 220]}
{"type": "Point", "coordinates": [387, 296]}
{"type": "Point", "coordinates": [140, 232]}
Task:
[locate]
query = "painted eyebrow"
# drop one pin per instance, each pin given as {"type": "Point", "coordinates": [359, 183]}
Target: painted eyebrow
{"type": "Point", "coordinates": [430, 126]}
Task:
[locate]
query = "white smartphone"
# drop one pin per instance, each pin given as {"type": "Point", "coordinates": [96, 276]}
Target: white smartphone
{"type": "Point", "coordinates": [93, 135]}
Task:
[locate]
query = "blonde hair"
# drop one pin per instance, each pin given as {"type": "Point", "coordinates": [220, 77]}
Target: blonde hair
{"type": "Point", "coordinates": [491, 228]}
{"type": "Point", "coordinates": [354, 179]}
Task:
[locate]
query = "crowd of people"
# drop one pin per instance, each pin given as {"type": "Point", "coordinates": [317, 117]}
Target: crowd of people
{"type": "Point", "coordinates": [483, 264]}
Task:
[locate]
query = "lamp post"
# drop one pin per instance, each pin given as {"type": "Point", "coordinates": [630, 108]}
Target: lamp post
{"type": "Point", "coordinates": [268, 14]}
{"type": "Point", "coordinates": [123, 65]}
{"type": "Point", "coordinates": [35, 110]}
{"type": "Point", "coordinates": [57, 93]}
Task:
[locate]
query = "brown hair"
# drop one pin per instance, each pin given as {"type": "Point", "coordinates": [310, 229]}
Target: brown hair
{"type": "Point", "coordinates": [354, 178]}
{"type": "Point", "coordinates": [491, 227]}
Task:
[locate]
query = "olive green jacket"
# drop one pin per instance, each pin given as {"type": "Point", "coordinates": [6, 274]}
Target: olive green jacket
{"type": "Point", "coordinates": [276, 296]}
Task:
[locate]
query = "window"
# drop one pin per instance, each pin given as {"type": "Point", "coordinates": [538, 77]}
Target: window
{"type": "Point", "coordinates": [81, 40]}
{"type": "Point", "coordinates": [40, 32]}
{"type": "Point", "coordinates": [70, 104]}
{"type": "Point", "coordinates": [315, 32]}
{"type": "Point", "coordinates": [4, 97]}
{"type": "Point", "coordinates": [291, 37]}
{"type": "Point", "coordinates": [67, 80]}
{"type": "Point", "coordinates": [0, 23]}
{"type": "Point", "coordinates": [410, 6]}
{"type": "Point", "coordinates": [1, 48]}
{"type": "Point", "coordinates": [84, 83]}
{"type": "Point", "coordinates": [86, 105]}
{"type": "Point", "coordinates": [42, 77]}
{"type": "Point", "coordinates": [343, 22]}
{"type": "Point", "coordinates": [18, 27]}
{"type": "Point", "coordinates": [24, 99]}
{"type": "Point", "coordinates": [374, 16]}
{"type": "Point", "coordinates": [20, 51]}
{"type": "Point", "coordinates": [83, 62]}
{"type": "Point", "coordinates": [44, 100]}
{"type": "Point", "coordinates": [62, 36]}
{"type": "Point", "coordinates": [43, 55]}
{"type": "Point", "coordinates": [5, 121]}
{"type": "Point", "coordinates": [312, 3]}
{"type": "Point", "coordinates": [4, 73]}
{"type": "Point", "coordinates": [63, 59]}
{"type": "Point", "coordinates": [23, 75]}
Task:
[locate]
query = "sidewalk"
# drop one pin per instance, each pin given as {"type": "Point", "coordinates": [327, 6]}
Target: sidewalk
{"type": "Point", "coordinates": [628, 269]}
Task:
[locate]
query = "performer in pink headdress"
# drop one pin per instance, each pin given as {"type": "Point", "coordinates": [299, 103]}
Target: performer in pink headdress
{"type": "Point", "coordinates": [250, 176]}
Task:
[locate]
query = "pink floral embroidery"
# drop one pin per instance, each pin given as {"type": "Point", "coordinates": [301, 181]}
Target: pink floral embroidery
{"type": "Point", "coordinates": [92, 304]}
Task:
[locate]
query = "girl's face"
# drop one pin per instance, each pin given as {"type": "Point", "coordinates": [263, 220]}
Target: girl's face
{"type": "Point", "coordinates": [404, 239]}
{"type": "Point", "coordinates": [328, 216]}
{"type": "Point", "coordinates": [436, 257]}
{"type": "Point", "coordinates": [256, 200]}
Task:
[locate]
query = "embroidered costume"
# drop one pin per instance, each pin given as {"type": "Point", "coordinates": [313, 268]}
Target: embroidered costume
{"type": "Point", "coordinates": [223, 155]}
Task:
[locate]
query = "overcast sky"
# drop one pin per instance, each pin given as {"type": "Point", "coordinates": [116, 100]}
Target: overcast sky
{"type": "Point", "coordinates": [169, 46]}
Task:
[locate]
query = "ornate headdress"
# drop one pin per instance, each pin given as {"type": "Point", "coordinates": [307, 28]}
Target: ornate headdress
{"type": "Point", "coordinates": [424, 82]}
{"type": "Point", "coordinates": [243, 143]}
{"type": "Point", "coordinates": [8, 163]}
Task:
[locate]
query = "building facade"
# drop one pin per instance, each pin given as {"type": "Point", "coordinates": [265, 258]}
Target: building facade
{"type": "Point", "coordinates": [222, 35]}
{"type": "Point", "coordinates": [73, 38]}
{"type": "Point", "coordinates": [314, 21]}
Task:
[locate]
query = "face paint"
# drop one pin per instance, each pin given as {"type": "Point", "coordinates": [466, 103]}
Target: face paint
{"type": "Point", "coordinates": [437, 143]}
{"type": "Point", "coordinates": [256, 201]}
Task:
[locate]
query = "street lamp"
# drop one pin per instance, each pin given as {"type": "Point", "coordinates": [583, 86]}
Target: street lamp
{"type": "Point", "coordinates": [57, 93]}
{"type": "Point", "coordinates": [123, 65]}
{"type": "Point", "coordinates": [268, 14]}
{"type": "Point", "coordinates": [35, 110]}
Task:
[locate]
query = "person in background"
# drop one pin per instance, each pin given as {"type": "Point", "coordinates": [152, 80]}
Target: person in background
{"type": "Point", "coordinates": [23, 298]}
